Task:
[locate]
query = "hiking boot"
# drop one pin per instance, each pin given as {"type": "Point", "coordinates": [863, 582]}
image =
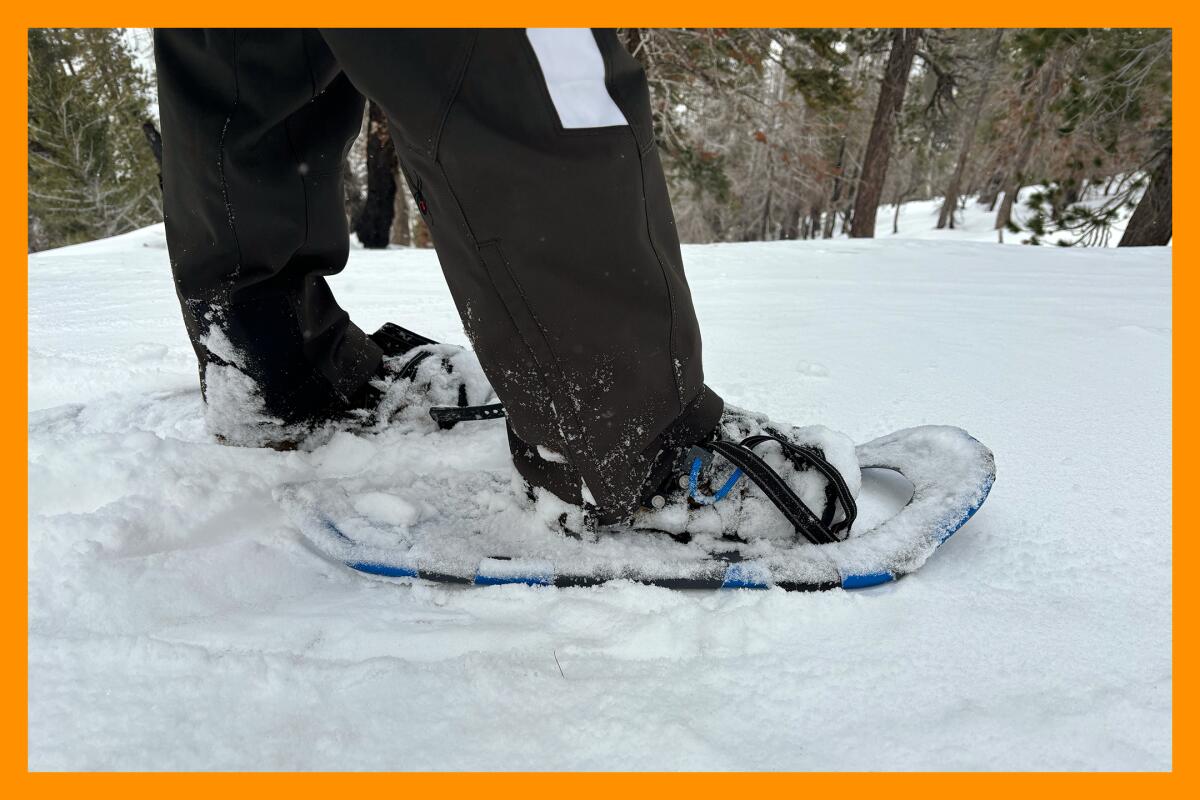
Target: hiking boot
{"type": "Point", "coordinates": [417, 378]}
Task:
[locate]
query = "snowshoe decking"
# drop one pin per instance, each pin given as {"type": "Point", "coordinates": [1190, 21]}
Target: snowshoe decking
{"type": "Point", "coordinates": [491, 540]}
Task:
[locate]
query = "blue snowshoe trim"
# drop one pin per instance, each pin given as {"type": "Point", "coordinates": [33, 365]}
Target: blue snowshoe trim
{"type": "Point", "coordinates": [869, 579]}
{"type": "Point", "coordinates": [383, 570]}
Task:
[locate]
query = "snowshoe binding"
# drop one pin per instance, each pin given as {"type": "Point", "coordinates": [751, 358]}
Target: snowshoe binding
{"type": "Point", "coordinates": [417, 376]}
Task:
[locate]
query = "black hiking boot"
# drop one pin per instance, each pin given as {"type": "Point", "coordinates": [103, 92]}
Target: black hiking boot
{"type": "Point", "coordinates": [417, 378]}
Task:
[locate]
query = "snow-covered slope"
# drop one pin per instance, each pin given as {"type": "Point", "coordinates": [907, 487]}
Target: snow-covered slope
{"type": "Point", "coordinates": [177, 620]}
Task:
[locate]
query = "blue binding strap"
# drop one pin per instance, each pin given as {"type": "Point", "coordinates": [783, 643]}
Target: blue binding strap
{"type": "Point", "coordinates": [694, 479]}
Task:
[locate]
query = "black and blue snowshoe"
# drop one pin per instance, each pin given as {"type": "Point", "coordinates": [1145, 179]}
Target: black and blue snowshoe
{"type": "Point", "coordinates": [752, 506]}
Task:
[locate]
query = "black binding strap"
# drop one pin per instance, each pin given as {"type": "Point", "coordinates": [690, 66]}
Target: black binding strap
{"type": "Point", "coordinates": [776, 489]}
{"type": "Point", "coordinates": [807, 524]}
{"type": "Point", "coordinates": [447, 417]}
{"type": "Point", "coordinates": [802, 454]}
{"type": "Point", "coordinates": [409, 370]}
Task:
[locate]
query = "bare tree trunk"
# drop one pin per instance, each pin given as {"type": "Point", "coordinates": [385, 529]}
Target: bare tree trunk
{"type": "Point", "coordinates": [946, 216]}
{"type": "Point", "coordinates": [374, 223]}
{"type": "Point", "coordinates": [154, 139]}
{"type": "Point", "coordinates": [837, 192]}
{"type": "Point", "coordinates": [400, 231]}
{"type": "Point", "coordinates": [848, 206]}
{"type": "Point", "coordinates": [879, 143]}
{"type": "Point", "coordinates": [973, 178]}
{"type": "Point", "coordinates": [633, 43]}
{"type": "Point", "coordinates": [990, 192]}
{"type": "Point", "coordinates": [351, 193]}
{"type": "Point", "coordinates": [765, 224]}
{"type": "Point", "coordinates": [790, 227]}
{"type": "Point", "coordinates": [421, 236]}
{"type": "Point", "coordinates": [1150, 224]}
{"type": "Point", "coordinates": [830, 222]}
{"type": "Point", "coordinates": [914, 183]}
{"type": "Point", "coordinates": [1032, 132]}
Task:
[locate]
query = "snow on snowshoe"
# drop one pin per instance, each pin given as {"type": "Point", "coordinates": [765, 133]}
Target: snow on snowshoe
{"type": "Point", "coordinates": [752, 507]}
{"type": "Point", "coordinates": [430, 368]}
{"type": "Point", "coordinates": [422, 376]}
{"type": "Point", "coordinates": [417, 377]}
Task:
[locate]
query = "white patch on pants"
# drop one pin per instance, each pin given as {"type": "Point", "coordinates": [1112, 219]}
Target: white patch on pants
{"type": "Point", "coordinates": [574, 72]}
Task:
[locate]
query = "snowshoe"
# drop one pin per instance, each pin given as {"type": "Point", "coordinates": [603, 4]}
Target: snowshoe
{"type": "Point", "coordinates": [752, 506]}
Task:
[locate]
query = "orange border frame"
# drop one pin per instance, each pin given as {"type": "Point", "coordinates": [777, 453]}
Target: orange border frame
{"type": "Point", "coordinates": [933, 13]}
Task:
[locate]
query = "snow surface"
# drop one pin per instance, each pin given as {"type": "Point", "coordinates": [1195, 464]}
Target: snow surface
{"type": "Point", "coordinates": [177, 620]}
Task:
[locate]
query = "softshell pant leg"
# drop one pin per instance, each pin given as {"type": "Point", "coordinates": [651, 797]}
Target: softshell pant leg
{"type": "Point", "coordinates": [256, 125]}
{"type": "Point", "coordinates": [533, 159]}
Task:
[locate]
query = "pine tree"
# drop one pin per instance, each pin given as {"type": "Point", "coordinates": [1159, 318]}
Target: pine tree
{"type": "Point", "coordinates": [764, 133]}
{"type": "Point", "coordinates": [1042, 55]}
{"type": "Point", "coordinates": [91, 174]}
{"type": "Point", "coordinates": [879, 144]}
{"type": "Point", "coordinates": [1151, 222]}
{"type": "Point", "coordinates": [373, 225]}
{"type": "Point", "coordinates": [987, 70]}
{"type": "Point", "coordinates": [1105, 117]}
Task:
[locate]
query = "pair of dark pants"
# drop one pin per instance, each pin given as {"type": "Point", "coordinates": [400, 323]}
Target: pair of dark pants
{"type": "Point", "coordinates": [544, 194]}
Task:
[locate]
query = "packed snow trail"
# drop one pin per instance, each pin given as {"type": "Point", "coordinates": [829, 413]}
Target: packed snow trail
{"type": "Point", "coordinates": [178, 621]}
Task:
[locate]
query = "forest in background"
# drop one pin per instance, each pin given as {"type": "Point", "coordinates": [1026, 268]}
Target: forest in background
{"type": "Point", "coordinates": [764, 133]}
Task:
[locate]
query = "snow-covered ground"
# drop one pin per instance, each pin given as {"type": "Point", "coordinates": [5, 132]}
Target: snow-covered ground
{"type": "Point", "coordinates": [178, 621]}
